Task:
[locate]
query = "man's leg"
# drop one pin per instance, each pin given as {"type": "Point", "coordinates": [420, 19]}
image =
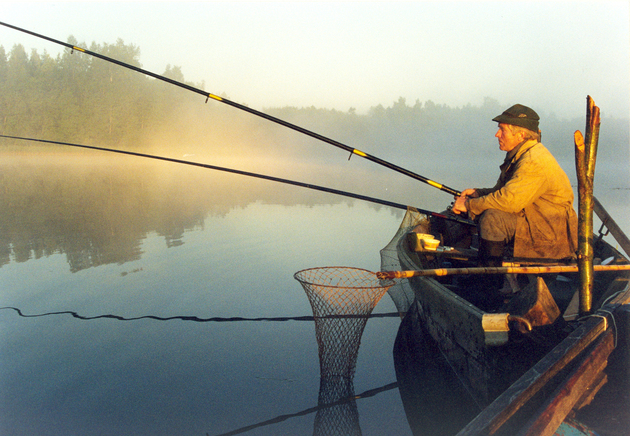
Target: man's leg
{"type": "Point", "coordinates": [496, 229]}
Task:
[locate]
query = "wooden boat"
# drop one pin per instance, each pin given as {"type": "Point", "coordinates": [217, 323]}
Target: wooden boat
{"type": "Point", "coordinates": [525, 366]}
{"type": "Point", "coordinates": [499, 377]}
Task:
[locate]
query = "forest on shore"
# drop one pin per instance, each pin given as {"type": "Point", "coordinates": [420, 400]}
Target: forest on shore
{"type": "Point", "coordinates": [81, 99]}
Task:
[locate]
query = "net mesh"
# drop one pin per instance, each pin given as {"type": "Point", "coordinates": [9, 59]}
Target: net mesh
{"type": "Point", "coordinates": [338, 414]}
{"type": "Point", "coordinates": [342, 298]}
{"type": "Point", "coordinates": [402, 293]}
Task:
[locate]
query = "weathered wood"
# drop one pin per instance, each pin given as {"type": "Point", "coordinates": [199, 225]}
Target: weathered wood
{"type": "Point", "coordinates": [492, 419]}
{"type": "Point", "coordinates": [456, 324]}
{"type": "Point", "coordinates": [504, 407]}
{"type": "Point", "coordinates": [572, 390]}
{"type": "Point", "coordinates": [611, 225]}
{"type": "Point", "coordinates": [585, 156]}
{"type": "Point", "coordinates": [589, 395]}
{"type": "Point", "coordinates": [544, 310]}
{"type": "Point", "coordinates": [439, 272]}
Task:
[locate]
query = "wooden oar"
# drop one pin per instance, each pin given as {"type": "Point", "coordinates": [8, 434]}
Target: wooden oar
{"type": "Point", "coordinates": [612, 226]}
{"type": "Point", "coordinates": [208, 95]}
{"type": "Point", "coordinates": [555, 269]}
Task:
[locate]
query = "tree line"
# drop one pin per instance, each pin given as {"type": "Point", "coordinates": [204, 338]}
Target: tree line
{"type": "Point", "coordinates": [76, 97]}
{"type": "Point", "coordinates": [81, 99]}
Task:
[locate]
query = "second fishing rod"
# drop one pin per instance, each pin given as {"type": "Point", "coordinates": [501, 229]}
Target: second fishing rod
{"type": "Point", "coordinates": [448, 217]}
{"type": "Point", "coordinates": [351, 150]}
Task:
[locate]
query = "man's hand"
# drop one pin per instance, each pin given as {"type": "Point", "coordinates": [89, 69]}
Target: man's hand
{"type": "Point", "coordinates": [460, 205]}
{"type": "Point", "coordinates": [461, 202]}
{"type": "Point", "coordinates": [470, 192]}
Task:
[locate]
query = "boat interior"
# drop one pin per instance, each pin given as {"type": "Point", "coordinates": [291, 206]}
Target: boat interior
{"type": "Point", "coordinates": [458, 249]}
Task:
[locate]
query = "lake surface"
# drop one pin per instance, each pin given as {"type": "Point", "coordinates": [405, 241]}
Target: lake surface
{"type": "Point", "coordinates": [155, 299]}
{"type": "Point", "coordinates": [183, 278]}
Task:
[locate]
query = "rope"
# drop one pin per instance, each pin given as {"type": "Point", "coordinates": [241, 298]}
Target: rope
{"type": "Point", "coordinates": [190, 318]}
{"type": "Point", "coordinates": [610, 314]}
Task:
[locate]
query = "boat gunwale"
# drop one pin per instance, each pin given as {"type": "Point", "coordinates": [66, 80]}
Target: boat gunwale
{"type": "Point", "coordinates": [503, 407]}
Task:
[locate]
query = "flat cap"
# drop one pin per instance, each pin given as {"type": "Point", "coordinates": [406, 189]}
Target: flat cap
{"type": "Point", "coordinates": [519, 115]}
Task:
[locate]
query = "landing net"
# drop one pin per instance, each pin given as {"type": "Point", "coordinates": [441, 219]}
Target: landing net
{"type": "Point", "coordinates": [401, 293]}
{"type": "Point", "coordinates": [342, 298]}
{"type": "Point", "coordinates": [338, 414]}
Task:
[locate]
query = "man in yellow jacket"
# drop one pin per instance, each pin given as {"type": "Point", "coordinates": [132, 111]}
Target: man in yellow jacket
{"type": "Point", "coordinates": [532, 203]}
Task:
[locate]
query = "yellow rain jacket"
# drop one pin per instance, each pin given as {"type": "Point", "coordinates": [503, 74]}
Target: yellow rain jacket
{"type": "Point", "coordinates": [533, 185]}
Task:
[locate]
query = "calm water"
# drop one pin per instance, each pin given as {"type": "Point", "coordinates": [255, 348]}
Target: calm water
{"type": "Point", "coordinates": [129, 243]}
{"type": "Point", "coordinates": [148, 299]}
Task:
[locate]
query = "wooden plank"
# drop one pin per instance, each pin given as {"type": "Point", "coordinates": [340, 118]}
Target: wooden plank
{"type": "Point", "coordinates": [457, 327]}
{"type": "Point", "coordinates": [589, 395]}
{"type": "Point", "coordinates": [455, 324]}
{"type": "Point", "coordinates": [445, 313]}
{"type": "Point", "coordinates": [623, 297]}
{"type": "Point", "coordinates": [504, 407]}
{"type": "Point", "coordinates": [572, 390]}
{"type": "Point", "coordinates": [491, 419]}
{"type": "Point", "coordinates": [611, 225]}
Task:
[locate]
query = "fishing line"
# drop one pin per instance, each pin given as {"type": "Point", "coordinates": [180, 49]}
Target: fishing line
{"type": "Point", "coordinates": [250, 174]}
{"type": "Point", "coordinates": [187, 317]}
{"type": "Point", "coordinates": [268, 117]}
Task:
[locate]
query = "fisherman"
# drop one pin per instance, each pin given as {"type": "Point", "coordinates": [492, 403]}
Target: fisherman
{"type": "Point", "coordinates": [531, 206]}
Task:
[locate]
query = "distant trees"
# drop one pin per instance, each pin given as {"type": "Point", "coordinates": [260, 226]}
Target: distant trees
{"type": "Point", "coordinates": [78, 98]}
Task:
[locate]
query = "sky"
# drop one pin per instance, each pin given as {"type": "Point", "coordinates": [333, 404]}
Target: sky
{"type": "Point", "coordinates": [548, 55]}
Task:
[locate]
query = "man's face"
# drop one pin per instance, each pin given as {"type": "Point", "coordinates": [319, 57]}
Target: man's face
{"type": "Point", "coordinates": [507, 139]}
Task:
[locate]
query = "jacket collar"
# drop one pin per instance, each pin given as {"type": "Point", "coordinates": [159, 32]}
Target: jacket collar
{"type": "Point", "coordinates": [515, 154]}
{"type": "Point", "coordinates": [518, 151]}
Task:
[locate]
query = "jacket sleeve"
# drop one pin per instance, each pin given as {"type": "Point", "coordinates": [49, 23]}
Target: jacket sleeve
{"type": "Point", "coordinates": [529, 181]}
{"type": "Point", "coordinates": [485, 191]}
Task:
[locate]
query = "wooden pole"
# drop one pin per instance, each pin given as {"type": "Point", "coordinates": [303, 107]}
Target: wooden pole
{"type": "Point", "coordinates": [440, 272]}
{"type": "Point", "coordinates": [585, 156]}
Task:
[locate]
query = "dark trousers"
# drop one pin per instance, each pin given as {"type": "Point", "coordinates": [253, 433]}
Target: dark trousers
{"type": "Point", "coordinates": [498, 226]}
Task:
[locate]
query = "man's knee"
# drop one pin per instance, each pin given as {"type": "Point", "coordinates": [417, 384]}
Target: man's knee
{"type": "Point", "coordinates": [496, 225]}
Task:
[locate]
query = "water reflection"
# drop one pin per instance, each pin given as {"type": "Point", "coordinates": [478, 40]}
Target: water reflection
{"type": "Point", "coordinates": [338, 417]}
{"type": "Point", "coordinates": [97, 209]}
{"type": "Point", "coordinates": [144, 337]}
{"type": "Point", "coordinates": [435, 401]}
{"type": "Point", "coordinates": [342, 300]}
{"type": "Point", "coordinates": [323, 423]}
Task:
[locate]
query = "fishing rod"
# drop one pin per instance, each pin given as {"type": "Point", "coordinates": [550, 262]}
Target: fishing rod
{"type": "Point", "coordinates": [268, 117]}
{"type": "Point", "coordinates": [254, 175]}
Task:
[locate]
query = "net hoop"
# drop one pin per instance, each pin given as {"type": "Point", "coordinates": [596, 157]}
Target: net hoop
{"type": "Point", "coordinates": [342, 299]}
{"type": "Point", "coordinates": [312, 277]}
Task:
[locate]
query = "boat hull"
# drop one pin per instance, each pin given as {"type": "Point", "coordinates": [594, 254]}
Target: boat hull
{"type": "Point", "coordinates": [488, 361]}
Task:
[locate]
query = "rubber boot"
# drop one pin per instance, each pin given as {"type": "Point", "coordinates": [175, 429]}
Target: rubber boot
{"type": "Point", "coordinates": [488, 297]}
{"type": "Point", "coordinates": [490, 253]}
